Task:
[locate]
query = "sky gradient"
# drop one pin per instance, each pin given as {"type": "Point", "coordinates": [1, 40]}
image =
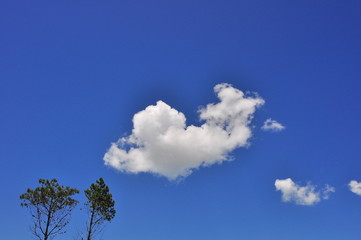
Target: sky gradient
{"type": "Point", "coordinates": [74, 73]}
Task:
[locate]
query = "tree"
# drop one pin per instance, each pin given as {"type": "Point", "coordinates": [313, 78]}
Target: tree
{"type": "Point", "coordinates": [50, 206]}
{"type": "Point", "coordinates": [100, 207]}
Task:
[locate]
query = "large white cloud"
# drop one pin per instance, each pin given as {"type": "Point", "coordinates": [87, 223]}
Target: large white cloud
{"type": "Point", "coordinates": [162, 144]}
{"type": "Point", "coordinates": [301, 195]}
{"type": "Point", "coordinates": [355, 187]}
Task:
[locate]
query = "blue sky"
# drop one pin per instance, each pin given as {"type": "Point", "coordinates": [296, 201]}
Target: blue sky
{"type": "Point", "coordinates": [74, 73]}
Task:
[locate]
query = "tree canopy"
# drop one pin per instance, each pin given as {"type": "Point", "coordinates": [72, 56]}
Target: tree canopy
{"type": "Point", "coordinates": [50, 206]}
{"type": "Point", "coordinates": [100, 206]}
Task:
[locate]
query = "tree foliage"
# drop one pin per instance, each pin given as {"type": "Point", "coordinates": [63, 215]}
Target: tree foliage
{"type": "Point", "coordinates": [50, 206]}
{"type": "Point", "coordinates": [100, 206]}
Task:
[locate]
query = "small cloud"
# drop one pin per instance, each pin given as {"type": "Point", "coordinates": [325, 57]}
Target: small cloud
{"type": "Point", "coordinates": [327, 191]}
{"type": "Point", "coordinates": [272, 125]}
{"type": "Point", "coordinates": [161, 143]}
{"type": "Point", "coordinates": [301, 195]}
{"type": "Point", "coordinates": [355, 187]}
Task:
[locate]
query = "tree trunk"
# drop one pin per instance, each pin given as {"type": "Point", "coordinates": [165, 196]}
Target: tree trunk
{"type": "Point", "coordinates": [47, 226]}
{"type": "Point", "coordinates": [90, 226]}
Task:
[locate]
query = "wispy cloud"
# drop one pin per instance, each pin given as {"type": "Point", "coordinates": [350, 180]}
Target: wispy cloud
{"type": "Point", "coordinates": [272, 125]}
{"type": "Point", "coordinates": [327, 191]}
{"type": "Point", "coordinates": [355, 187]}
{"type": "Point", "coordinates": [301, 195]}
{"type": "Point", "coordinates": [162, 144]}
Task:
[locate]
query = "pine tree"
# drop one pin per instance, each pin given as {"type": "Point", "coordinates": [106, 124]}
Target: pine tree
{"type": "Point", "coordinates": [100, 207]}
{"type": "Point", "coordinates": [50, 206]}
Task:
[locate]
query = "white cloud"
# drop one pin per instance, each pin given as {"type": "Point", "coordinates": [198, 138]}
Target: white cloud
{"type": "Point", "coordinates": [272, 125]}
{"type": "Point", "coordinates": [327, 191]}
{"type": "Point", "coordinates": [355, 187]}
{"type": "Point", "coordinates": [301, 195]}
{"type": "Point", "coordinates": [162, 144]}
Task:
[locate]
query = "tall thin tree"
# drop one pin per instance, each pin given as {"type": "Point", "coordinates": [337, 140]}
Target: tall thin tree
{"type": "Point", "coordinates": [100, 207]}
{"type": "Point", "coordinates": [50, 206]}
